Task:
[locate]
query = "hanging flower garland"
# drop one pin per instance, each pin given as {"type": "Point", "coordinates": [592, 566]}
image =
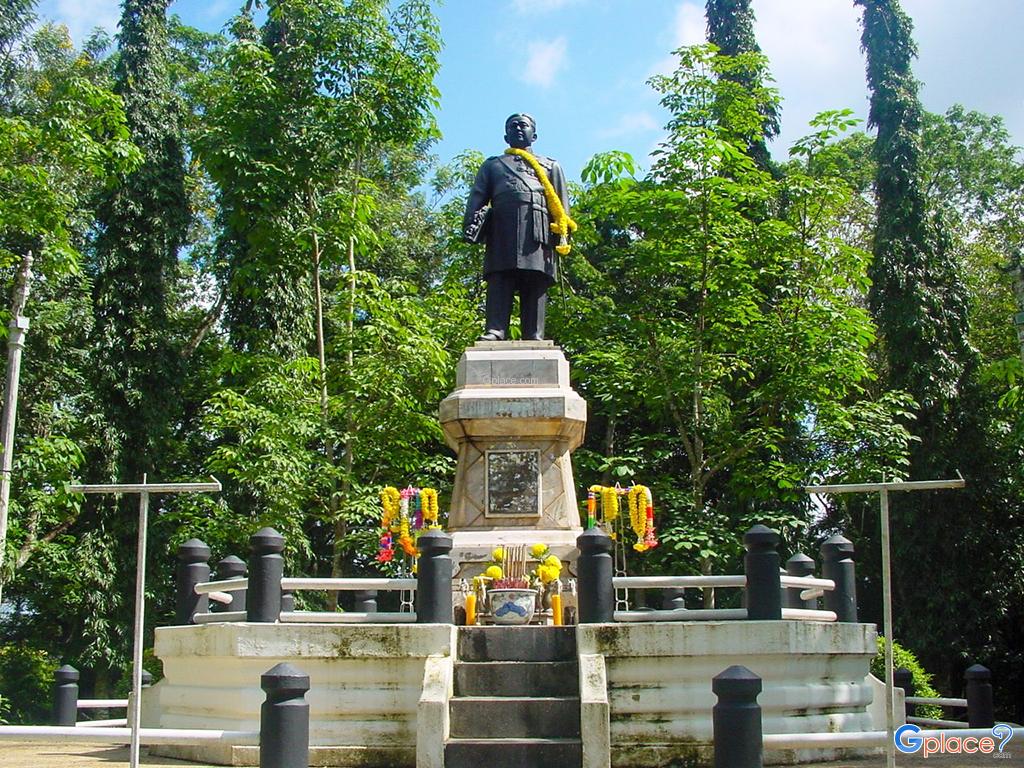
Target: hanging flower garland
{"type": "Point", "coordinates": [390, 500]}
{"type": "Point", "coordinates": [561, 224]}
{"type": "Point", "coordinates": [428, 498]}
{"type": "Point", "coordinates": [641, 517]}
{"type": "Point", "coordinates": [405, 540]}
{"type": "Point", "coordinates": [610, 504]}
{"type": "Point", "coordinates": [406, 514]}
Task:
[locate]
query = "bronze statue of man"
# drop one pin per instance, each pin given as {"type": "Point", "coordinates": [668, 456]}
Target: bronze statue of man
{"type": "Point", "coordinates": [516, 213]}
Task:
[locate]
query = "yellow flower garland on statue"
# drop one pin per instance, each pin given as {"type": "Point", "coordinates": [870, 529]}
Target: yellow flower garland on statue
{"type": "Point", "coordinates": [390, 500]}
{"type": "Point", "coordinates": [638, 515]}
{"type": "Point", "coordinates": [561, 224]}
{"type": "Point", "coordinates": [428, 498]}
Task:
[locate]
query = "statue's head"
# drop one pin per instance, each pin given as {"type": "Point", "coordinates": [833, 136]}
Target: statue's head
{"type": "Point", "coordinates": [520, 130]}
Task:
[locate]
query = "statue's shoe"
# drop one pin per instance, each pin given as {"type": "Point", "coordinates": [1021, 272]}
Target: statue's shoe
{"type": "Point", "coordinates": [492, 335]}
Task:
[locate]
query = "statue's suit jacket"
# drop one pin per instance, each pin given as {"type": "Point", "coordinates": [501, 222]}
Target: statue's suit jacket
{"type": "Point", "coordinates": [518, 232]}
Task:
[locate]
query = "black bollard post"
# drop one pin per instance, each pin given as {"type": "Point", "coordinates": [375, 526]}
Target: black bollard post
{"type": "Point", "coordinates": [365, 601]}
{"type": "Point", "coordinates": [902, 678]}
{"type": "Point", "coordinates": [232, 567]}
{"type": "Point", "coordinates": [799, 565]}
{"type": "Point", "coordinates": [434, 579]}
{"type": "Point", "coordinates": [65, 696]}
{"type": "Point", "coordinates": [837, 565]}
{"type": "Point", "coordinates": [263, 603]}
{"type": "Point", "coordinates": [596, 591]}
{"type": "Point", "coordinates": [761, 565]}
{"type": "Point", "coordinates": [193, 568]}
{"type": "Point", "coordinates": [287, 601]}
{"type": "Point", "coordinates": [736, 719]}
{"type": "Point", "coordinates": [284, 718]}
{"type": "Point", "coordinates": [980, 710]}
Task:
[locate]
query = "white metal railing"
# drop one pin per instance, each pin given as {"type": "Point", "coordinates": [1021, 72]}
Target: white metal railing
{"type": "Point", "coordinates": [102, 703]}
{"type": "Point", "coordinates": [677, 582]}
{"type": "Point", "coordinates": [224, 585]}
{"type": "Point", "coordinates": [346, 617]}
{"type": "Point", "coordinates": [812, 588]}
{"type": "Point", "coordinates": [118, 722]}
{"type": "Point", "coordinates": [220, 591]}
{"type": "Point", "coordinates": [717, 614]}
{"type": "Point", "coordinates": [182, 736]}
{"type": "Point", "coordinates": [938, 701]}
{"type": "Point", "coordinates": [381, 585]}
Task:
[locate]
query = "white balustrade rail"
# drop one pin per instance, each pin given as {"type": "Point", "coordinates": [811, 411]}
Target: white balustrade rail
{"type": "Point", "coordinates": [381, 585]}
{"type": "Point", "coordinates": [938, 701]}
{"type": "Point", "coordinates": [102, 703]}
{"type": "Point", "coordinates": [182, 736]}
{"type": "Point", "coordinates": [812, 588]}
{"type": "Point", "coordinates": [224, 585]}
{"type": "Point", "coordinates": [220, 591]}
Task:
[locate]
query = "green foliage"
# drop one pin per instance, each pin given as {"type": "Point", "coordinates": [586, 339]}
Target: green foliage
{"type": "Point", "coordinates": [26, 685]}
{"type": "Point", "coordinates": [731, 31]}
{"type": "Point", "coordinates": [716, 345]}
{"type": "Point", "coordinates": [903, 658]}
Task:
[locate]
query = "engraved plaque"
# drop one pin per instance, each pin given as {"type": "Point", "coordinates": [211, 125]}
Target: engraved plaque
{"type": "Point", "coordinates": [513, 484]}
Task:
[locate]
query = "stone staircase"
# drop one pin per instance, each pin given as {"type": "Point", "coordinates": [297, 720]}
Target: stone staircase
{"type": "Point", "coordinates": [516, 699]}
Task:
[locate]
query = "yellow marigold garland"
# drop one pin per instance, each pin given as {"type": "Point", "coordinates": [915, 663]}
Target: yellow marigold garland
{"type": "Point", "coordinates": [561, 224]}
{"type": "Point", "coordinates": [638, 500]}
{"type": "Point", "coordinates": [390, 500]}
{"type": "Point", "coordinates": [609, 504]}
{"type": "Point", "coordinates": [428, 498]}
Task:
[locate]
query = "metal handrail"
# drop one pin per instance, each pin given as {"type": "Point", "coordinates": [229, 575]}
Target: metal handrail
{"type": "Point", "coordinates": [677, 582]}
{"type": "Point", "coordinates": [349, 584]}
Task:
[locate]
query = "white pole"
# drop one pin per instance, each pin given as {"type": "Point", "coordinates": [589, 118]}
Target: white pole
{"type": "Point", "coordinates": [890, 726]}
{"type": "Point", "coordinates": [135, 708]}
{"type": "Point", "coordinates": [15, 344]}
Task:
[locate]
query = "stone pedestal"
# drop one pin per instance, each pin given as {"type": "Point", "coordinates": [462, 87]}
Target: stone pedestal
{"type": "Point", "coordinates": [513, 420]}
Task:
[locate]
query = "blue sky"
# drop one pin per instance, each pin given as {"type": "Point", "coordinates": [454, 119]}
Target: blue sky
{"type": "Point", "coordinates": [580, 66]}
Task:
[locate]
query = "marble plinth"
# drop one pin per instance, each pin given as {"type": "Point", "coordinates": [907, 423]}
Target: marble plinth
{"type": "Point", "coordinates": [514, 420]}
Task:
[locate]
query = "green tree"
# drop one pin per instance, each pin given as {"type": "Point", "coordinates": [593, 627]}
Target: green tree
{"type": "Point", "coordinates": [142, 226]}
{"type": "Point", "coordinates": [309, 140]}
{"type": "Point", "coordinates": [730, 27]}
{"type": "Point", "coordinates": [920, 299]}
{"type": "Point", "coordinates": [732, 337]}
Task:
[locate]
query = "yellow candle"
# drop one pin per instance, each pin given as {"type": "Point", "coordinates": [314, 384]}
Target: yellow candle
{"type": "Point", "coordinates": [471, 609]}
{"type": "Point", "coordinates": [556, 610]}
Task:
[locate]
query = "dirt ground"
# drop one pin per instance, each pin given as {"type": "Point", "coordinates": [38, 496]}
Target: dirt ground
{"type": "Point", "coordinates": [38, 755]}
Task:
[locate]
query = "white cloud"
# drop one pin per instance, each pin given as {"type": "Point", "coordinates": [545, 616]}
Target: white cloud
{"type": "Point", "coordinates": [545, 59]}
{"type": "Point", "coordinates": [688, 28]}
{"type": "Point", "coordinates": [813, 50]}
{"type": "Point", "coordinates": [630, 124]}
{"type": "Point", "coordinates": [81, 17]}
{"type": "Point", "coordinates": [540, 6]}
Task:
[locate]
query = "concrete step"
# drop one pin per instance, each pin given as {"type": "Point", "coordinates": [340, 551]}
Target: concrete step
{"type": "Point", "coordinates": [513, 753]}
{"type": "Point", "coordinates": [517, 643]}
{"type": "Point", "coordinates": [514, 717]}
{"type": "Point", "coordinates": [517, 678]}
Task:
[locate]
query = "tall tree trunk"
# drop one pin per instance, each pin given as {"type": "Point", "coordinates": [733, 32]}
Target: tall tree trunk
{"type": "Point", "coordinates": [340, 523]}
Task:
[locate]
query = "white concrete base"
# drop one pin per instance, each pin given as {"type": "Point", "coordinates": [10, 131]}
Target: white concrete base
{"type": "Point", "coordinates": [659, 683]}
{"type": "Point", "coordinates": [379, 693]}
{"type": "Point", "coordinates": [366, 693]}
